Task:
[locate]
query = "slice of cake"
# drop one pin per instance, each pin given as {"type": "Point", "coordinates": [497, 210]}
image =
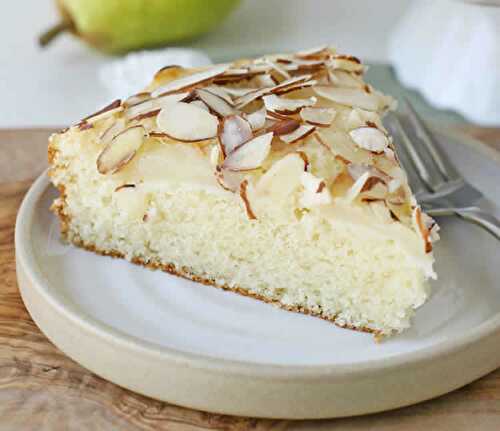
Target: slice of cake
{"type": "Point", "coordinates": [273, 178]}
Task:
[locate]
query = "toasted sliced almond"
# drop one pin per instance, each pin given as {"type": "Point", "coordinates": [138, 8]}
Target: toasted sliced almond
{"type": "Point", "coordinates": [284, 127]}
{"type": "Point", "coordinates": [291, 84]}
{"type": "Point", "coordinates": [105, 112]}
{"type": "Point", "coordinates": [125, 186]}
{"type": "Point", "coordinates": [370, 138]}
{"type": "Point", "coordinates": [342, 146]}
{"type": "Point", "coordinates": [249, 155]}
{"type": "Point", "coordinates": [381, 212]}
{"type": "Point", "coordinates": [284, 89]}
{"type": "Point", "coordinates": [233, 131]}
{"type": "Point", "coordinates": [257, 119]}
{"type": "Point", "coordinates": [221, 92]}
{"type": "Point", "coordinates": [281, 178]}
{"type": "Point", "coordinates": [305, 65]}
{"type": "Point", "coordinates": [304, 158]}
{"type": "Point", "coordinates": [248, 98]}
{"type": "Point", "coordinates": [114, 129]}
{"type": "Point", "coordinates": [229, 180]}
{"type": "Point", "coordinates": [246, 202]}
{"type": "Point", "coordinates": [120, 150]}
{"type": "Point", "coordinates": [278, 69]}
{"type": "Point", "coordinates": [347, 63]}
{"type": "Point", "coordinates": [422, 229]}
{"type": "Point", "coordinates": [274, 116]}
{"type": "Point", "coordinates": [216, 104]}
{"type": "Point", "coordinates": [322, 117]}
{"type": "Point", "coordinates": [285, 106]}
{"type": "Point", "coordinates": [199, 104]}
{"type": "Point", "coordinates": [298, 134]}
{"type": "Point", "coordinates": [136, 99]}
{"type": "Point", "coordinates": [191, 80]}
{"type": "Point", "coordinates": [215, 156]}
{"type": "Point", "coordinates": [318, 51]}
{"type": "Point", "coordinates": [185, 122]}
{"type": "Point", "coordinates": [238, 92]}
{"type": "Point", "coordinates": [349, 97]}
{"type": "Point", "coordinates": [142, 109]}
{"type": "Point", "coordinates": [356, 188]}
{"type": "Point", "coordinates": [342, 78]}
{"type": "Point", "coordinates": [315, 191]}
{"type": "Point", "coordinates": [356, 170]}
{"type": "Point", "coordinates": [265, 80]}
{"type": "Point", "coordinates": [373, 190]}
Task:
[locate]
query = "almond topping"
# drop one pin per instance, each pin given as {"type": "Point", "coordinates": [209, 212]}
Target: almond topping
{"type": "Point", "coordinates": [108, 110]}
{"type": "Point", "coordinates": [347, 63]}
{"type": "Point", "coordinates": [191, 80]}
{"type": "Point", "coordinates": [304, 157]}
{"type": "Point", "coordinates": [113, 130]}
{"type": "Point", "coordinates": [249, 155]}
{"type": "Point", "coordinates": [199, 104]}
{"type": "Point", "coordinates": [228, 180]}
{"type": "Point", "coordinates": [322, 117]}
{"type": "Point", "coordinates": [221, 92]}
{"type": "Point", "coordinates": [342, 146]}
{"type": "Point", "coordinates": [318, 51]}
{"type": "Point", "coordinates": [315, 192]}
{"type": "Point", "coordinates": [349, 97]}
{"type": "Point", "coordinates": [370, 138]}
{"type": "Point", "coordinates": [257, 119]}
{"type": "Point", "coordinates": [286, 106]}
{"type": "Point", "coordinates": [248, 98]}
{"type": "Point", "coordinates": [293, 87]}
{"type": "Point", "coordinates": [185, 122]}
{"type": "Point", "coordinates": [356, 188]}
{"type": "Point", "coordinates": [144, 108]}
{"type": "Point", "coordinates": [136, 99]}
{"type": "Point", "coordinates": [341, 78]}
{"type": "Point", "coordinates": [216, 104]}
{"type": "Point", "coordinates": [233, 131]}
{"type": "Point", "coordinates": [277, 68]}
{"type": "Point", "coordinates": [238, 92]}
{"type": "Point", "coordinates": [422, 228]}
{"type": "Point", "coordinates": [244, 198]}
{"type": "Point", "coordinates": [265, 80]}
{"type": "Point", "coordinates": [301, 132]}
{"type": "Point", "coordinates": [284, 127]}
{"type": "Point", "coordinates": [281, 179]}
{"type": "Point", "coordinates": [120, 150]}
{"type": "Point", "coordinates": [288, 85]}
{"type": "Point", "coordinates": [125, 186]}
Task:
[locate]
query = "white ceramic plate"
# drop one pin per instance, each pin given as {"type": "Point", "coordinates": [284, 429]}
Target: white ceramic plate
{"type": "Point", "coordinates": [201, 347]}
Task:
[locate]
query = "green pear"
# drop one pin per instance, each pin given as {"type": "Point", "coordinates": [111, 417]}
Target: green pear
{"type": "Point", "coordinates": [118, 26]}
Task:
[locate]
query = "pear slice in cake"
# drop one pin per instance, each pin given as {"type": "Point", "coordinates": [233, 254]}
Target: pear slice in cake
{"type": "Point", "coordinates": [273, 178]}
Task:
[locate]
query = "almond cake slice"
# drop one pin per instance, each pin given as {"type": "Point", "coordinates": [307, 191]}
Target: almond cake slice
{"type": "Point", "coordinates": [273, 178]}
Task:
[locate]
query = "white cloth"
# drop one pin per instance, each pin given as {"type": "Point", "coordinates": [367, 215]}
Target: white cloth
{"type": "Point", "coordinates": [130, 74]}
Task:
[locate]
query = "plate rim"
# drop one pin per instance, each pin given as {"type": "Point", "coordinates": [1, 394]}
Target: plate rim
{"type": "Point", "coordinates": [255, 370]}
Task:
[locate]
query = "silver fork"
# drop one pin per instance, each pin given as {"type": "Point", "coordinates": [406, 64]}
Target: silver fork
{"type": "Point", "coordinates": [437, 185]}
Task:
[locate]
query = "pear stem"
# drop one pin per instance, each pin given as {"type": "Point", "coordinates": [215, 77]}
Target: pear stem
{"type": "Point", "coordinates": [45, 38]}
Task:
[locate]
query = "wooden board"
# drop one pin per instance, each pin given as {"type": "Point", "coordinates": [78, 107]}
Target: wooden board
{"type": "Point", "coordinates": [42, 389]}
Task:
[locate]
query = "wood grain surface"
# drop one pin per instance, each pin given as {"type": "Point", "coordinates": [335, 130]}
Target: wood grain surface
{"type": "Point", "coordinates": [42, 389]}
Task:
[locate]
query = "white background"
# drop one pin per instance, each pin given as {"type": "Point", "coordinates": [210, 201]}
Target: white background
{"type": "Point", "coordinates": [56, 86]}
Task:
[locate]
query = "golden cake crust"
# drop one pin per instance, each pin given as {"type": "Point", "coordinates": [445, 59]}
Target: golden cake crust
{"type": "Point", "coordinates": [59, 210]}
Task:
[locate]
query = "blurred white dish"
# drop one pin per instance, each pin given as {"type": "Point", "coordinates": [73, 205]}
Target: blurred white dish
{"type": "Point", "coordinates": [449, 51]}
{"type": "Point", "coordinates": [201, 347]}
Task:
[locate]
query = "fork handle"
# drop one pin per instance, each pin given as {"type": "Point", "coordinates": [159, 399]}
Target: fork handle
{"type": "Point", "coordinates": [475, 215]}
